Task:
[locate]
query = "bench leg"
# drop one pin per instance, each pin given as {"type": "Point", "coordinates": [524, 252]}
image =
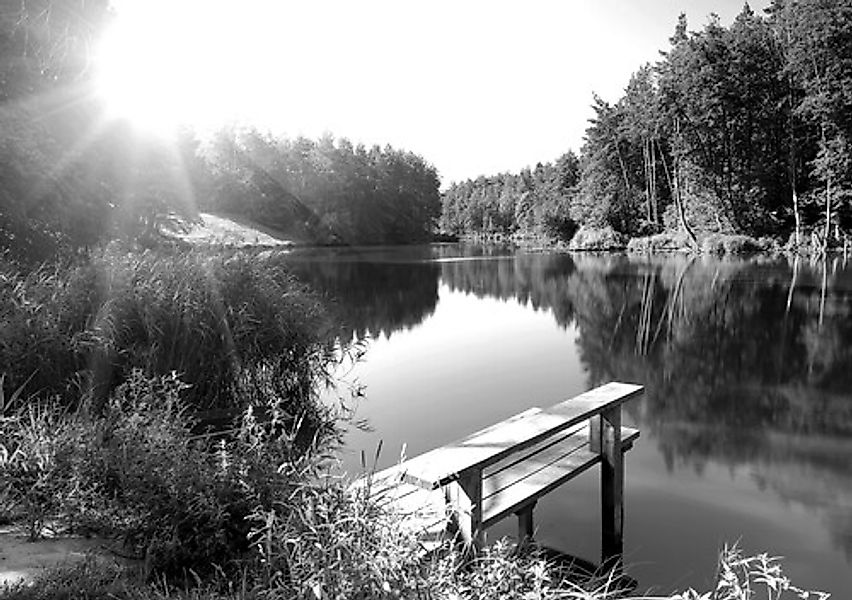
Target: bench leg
{"type": "Point", "coordinates": [465, 499]}
{"type": "Point", "coordinates": [612, 483]}
{"type": "Point", "coordinates": [525, 524]}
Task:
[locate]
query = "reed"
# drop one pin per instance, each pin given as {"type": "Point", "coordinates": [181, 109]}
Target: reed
{"type": "Point", "coordinates": [237, 327]}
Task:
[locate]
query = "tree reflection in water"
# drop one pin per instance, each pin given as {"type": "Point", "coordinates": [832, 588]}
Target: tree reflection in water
{"type": "Point", "coordinates": [745, 363]}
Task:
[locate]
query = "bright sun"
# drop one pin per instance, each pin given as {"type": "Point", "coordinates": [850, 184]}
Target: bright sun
{"type": "Point", "coordinates": [163, 63]}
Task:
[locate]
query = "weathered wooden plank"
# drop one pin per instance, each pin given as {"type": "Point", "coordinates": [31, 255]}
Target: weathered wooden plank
{"type": "Point", "coordinates": [509, 489]}
{"type": "Point", "coordinates": [521, 415]}
{"type": "Point", "coordinates": [391, 476]}
{"type": "Point", "coordinates": [526, 525]}
{"type": "Point", "coordinates": [466, 502]}
{"type": "Point", "coordinates": [482, 449]}
{"type": "Point", "coordinates": [388, 491]}
{"type": "Point", "coordinates": [520, 457]}
{"type": "Point", "coordinates": [531, 477]}
{"type": "Point", "coordinates": [378, 484]}
{"type": "Point", "coordinates": [612, 485]}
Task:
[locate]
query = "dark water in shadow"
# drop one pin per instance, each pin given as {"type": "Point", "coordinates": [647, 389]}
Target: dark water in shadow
{"type": "Point", "coordinates": [747, 419]}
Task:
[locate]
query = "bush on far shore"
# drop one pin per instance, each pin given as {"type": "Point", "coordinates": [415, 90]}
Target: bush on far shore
{"type": "Point", "coordinates": [660, 242]}
{"type": "Point", "coordinates": [597, 239]}
{"type": "Point", "coordinates": [716, 244]}
{"type": "Point", "coordinates": [734, 245]}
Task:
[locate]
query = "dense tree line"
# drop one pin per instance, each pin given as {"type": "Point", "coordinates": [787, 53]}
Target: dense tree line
{"type": "Point", "coordinates": [70, 178]}
{"type": "Point", "coordinates": [534, 202]}
{"type": "Point", "coordinates": [740, 129]}
{"type": "Point", "coordinates": [325, 190]}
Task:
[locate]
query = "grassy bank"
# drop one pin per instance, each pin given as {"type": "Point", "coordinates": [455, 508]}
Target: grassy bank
{"type": "Point", "coordinates": [255, 515]}
{"type": "Point", "coordinates": [713, 244]}
{"type": "Point", "coordinates": [106, 361]}
{"type": "Point", "coordinates": [237, 327]}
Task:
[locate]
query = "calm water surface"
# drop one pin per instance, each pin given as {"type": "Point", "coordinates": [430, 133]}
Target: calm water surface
{"type": "Point", "coordinates": [747, 420]}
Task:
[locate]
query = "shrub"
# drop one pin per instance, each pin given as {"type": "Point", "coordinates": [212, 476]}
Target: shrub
{"type": "Point", "coordinates": [735, 245]}
{"type": "Point", "coordinates": [660, 242]}
{"type": "Point", "coordinates": [30, 454]}
{"type": "Point", "coordinates": [92, 579]}
{"type": "Point", "coordinates": [740, 577]}
{"type": "Point", "coordinates": [135, 470]}
{"type": "Point", "coordinates": [238, 328]}
{"type": "Point", "coordinates": [604, 238]}
{"type": "Point", "coordinates": [191, 506]}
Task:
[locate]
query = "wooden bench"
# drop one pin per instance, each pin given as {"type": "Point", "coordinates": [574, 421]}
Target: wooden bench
{"type": "Point", "coordinates": [504, 469]}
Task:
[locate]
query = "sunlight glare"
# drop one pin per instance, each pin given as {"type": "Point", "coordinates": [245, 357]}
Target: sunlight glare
{"type": "Point", "coordinates": [200, 63]}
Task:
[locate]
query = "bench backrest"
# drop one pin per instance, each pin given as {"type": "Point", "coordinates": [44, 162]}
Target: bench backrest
{"type": "Point", "coordinates": [484, 448]}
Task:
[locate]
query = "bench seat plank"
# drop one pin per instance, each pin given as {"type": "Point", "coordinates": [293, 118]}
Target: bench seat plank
{"type": "Point", "coordinates": [507, 489]}
{"type": "Point", "coordinates": [391, 476]}
{"type": "Point", "coordinates": [422, 512]}
{"type": "Point", "coordinates": [525, 481]}
{"type": "Point", "coordinates": [484, 448]}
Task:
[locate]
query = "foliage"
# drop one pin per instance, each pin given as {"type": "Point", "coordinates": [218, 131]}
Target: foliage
{"type": "Point", "coordinates": [29, 464]}
{"type": "Point", "coordinates": [606, 197]}
{"type": "Point", "coordinates": [93, 579]}
{"type": "Point", "coordinates": [137, 471]}
{"type": "Point", "coordinates": [323, 191]}
{"type": "Point", "coordinates": [254, 506]}
{"type": "Point", "coordinates": [743, 130]}
{"type": "Point", "coordinates": [500, 572]}
{"type": "Point", "coordinates": [592, 238]}
{"type": "Point", "coordinates": [237, 327]}
{"type": "Point", "coordinates": [72, 177]}
{"type": "Point", "coordinates": [660, 242]}
{"type": "Point", "coordinates": [816, 51]}
{"type": "Point", "coordinates": [532, 203]}
{"type": "Point", "coordinates": [741, 577]}
{"type": "Point", "coordinates": [45, 44]}
{"type": "Point", "coordinates": [730, 244]}
{"type": "Point", "coordinates": [331, 544]}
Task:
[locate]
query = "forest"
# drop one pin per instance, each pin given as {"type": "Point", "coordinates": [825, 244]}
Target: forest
{"type": "Point", "coordinates": [71, 178]}
{"type": "Point", "coordinates": [744, 129]}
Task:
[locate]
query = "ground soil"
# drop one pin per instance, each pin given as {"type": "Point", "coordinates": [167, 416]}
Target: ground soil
{"type": "Point", "coordinates": [21, 559]}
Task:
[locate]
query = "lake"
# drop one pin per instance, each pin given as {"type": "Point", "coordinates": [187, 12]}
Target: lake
{"type": "Point", "coordinates": [747, 418]}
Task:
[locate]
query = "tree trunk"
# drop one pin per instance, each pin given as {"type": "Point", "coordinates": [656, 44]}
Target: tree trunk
{"type": "Point", "coordinates": [645, 179]}
{"type": "Point", "coordinates": [827, 216]}
{"type": "Point", "coordinates": [792, 164]}
{"type": "Point", "coordinates": [681, 210]}
{"type": "Point", "coordinates": [623, 168]}
{"type": "Point", "coordinates": [798, 217]}
{"type": "Point", "coordinates": [654, 209]}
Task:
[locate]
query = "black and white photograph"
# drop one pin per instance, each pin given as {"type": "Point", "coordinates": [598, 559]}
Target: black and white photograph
{"type": "Point", "coordinates": [446, 300]}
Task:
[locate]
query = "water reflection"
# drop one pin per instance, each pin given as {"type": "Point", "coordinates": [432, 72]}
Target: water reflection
{"type": "Point", "coordinates": [746, 364]}
{"type": "Point", "coordinates": [373, 292]}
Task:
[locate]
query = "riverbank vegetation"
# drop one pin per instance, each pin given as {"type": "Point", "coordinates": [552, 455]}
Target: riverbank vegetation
{"type": "Point", "coordinates": [260, 511]}
{"type": "Point", "coordinates": [237, 326]}
{"type": "Point", "coordinates": [74, 178]}
{"type": "Point", "coordinates": [740, 130]}
{"type": "Point", "coordinates": [252, 515]}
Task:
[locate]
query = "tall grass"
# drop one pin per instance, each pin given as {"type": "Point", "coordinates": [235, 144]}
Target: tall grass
{"type": "Point", "coordinates": [255, 517]}
{"type": "Point", "coordinates": [238, 328]}
{"type": "Point", "coordinates": [135, 471]}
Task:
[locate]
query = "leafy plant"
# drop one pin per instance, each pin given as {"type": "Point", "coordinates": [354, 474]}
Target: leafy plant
{"type": "Point", "coordinates": [237, 327]}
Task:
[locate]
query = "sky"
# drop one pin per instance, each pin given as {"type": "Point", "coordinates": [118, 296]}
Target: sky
{"type": "Point", "coordinates": [476, 87]}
